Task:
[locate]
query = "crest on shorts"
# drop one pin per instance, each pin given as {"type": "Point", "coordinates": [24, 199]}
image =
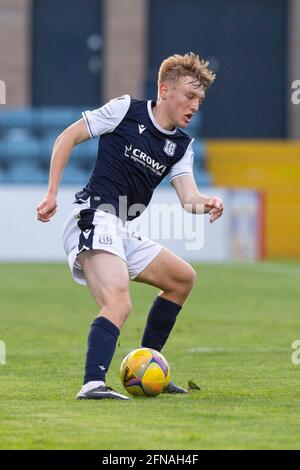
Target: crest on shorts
{"type": "Point", "coordinates": [170, 148]}
{"type": "Point", "coordinates": [106, 239]}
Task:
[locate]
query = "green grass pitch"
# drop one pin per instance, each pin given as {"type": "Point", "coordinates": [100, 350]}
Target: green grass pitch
{"type": "Point", "coordinates": [233, 338]}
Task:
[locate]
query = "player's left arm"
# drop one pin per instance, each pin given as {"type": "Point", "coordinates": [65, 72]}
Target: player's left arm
{"type": "Point", "coordinates": [194, 202]}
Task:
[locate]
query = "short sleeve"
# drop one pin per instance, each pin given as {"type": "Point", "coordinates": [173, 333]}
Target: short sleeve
{"type": "Point", "coordinates": [108, 117]}
{"type": "Point", "coordinates": [185, 165]}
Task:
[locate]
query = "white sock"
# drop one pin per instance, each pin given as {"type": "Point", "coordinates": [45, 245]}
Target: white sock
{"type": "Point", "coordinates": [90, 385]}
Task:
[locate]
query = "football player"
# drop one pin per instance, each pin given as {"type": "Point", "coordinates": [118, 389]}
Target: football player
{"type": "Point", "coordinates": [141, 143]}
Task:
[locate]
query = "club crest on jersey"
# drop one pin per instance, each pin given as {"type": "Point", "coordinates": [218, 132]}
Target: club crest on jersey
{"type": "Point", "coordinates": [170, 148]}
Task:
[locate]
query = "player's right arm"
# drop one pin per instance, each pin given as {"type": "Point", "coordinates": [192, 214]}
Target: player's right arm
{"type": "Point", "coordinates": [62, 149]}
{"type": "Point", "coordinates": [93, 124]}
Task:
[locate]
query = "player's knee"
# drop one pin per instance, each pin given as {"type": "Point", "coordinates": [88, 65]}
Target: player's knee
{"type": "Point", "coordinates": [119, 307]}
{"type": "Point", "coordinates": [182, 284]}
{"type": "Point", "coordinates": [190, 278]}
{"type": "Point", "coordinates": [124, 310]}
{"type": "Point", "coordinates": [182, 281]}
{"type": "Point", "coordinates": [193, 277]}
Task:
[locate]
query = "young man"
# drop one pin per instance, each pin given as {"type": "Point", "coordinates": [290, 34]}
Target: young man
{"type": "Point", "coordinates": [140, 144]}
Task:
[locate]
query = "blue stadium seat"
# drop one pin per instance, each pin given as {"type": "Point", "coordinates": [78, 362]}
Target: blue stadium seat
{"type": "Point", "coordinates": [3, 148]}
{"type": "Point", "coordinates": [77, 112]}
{"type": "Point", "coordinates": [19, 160]}
{"type": "Point", "coordinates": [26, 158]}
{"type": "Point", "coordinates": [81, 161]}
{"type": "Point", "coordinates": [74, 175]}
{"type": "Point", "coordinates": [165, 182]}
{"type": "Point", "coordinates": [22, 148]}
{"type": "Point", "coordinates": [73, 172]}
{"type": "Point", "coordinates": [199, 152]}
{"type": "Point", "coordinates": [27, 171]}
{"type": "Point", "coordinates": [194, 128]}
{"type": "Point", "coordinates": [52, 120]}
{"type": "Point", "coordinates": [46, 146]}
{"type": "Point", "coordinates": [4, 176]}
{"type": "Point", "coordinates": [87, 154]}
{"type": "Point", "coordinates": [12, 119]}
{"type": "Point", "coordinates": [5, 162]}
{"type": "Point", "coordinates": [203, 178]}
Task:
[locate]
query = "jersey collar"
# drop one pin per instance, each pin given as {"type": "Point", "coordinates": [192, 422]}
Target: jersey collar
{"type": "Point", "coordinates": [155, 123]}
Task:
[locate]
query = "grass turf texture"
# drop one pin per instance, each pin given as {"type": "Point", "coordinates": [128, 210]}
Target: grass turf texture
{"type": "Point", "coordinates": [233, 338]}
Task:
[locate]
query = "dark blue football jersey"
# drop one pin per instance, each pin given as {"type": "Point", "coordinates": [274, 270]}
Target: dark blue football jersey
{"type": "Point", "coordinates": [134, 155]}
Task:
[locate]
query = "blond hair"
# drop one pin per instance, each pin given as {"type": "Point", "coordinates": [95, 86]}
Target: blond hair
{"type": "Point", "coordinates": [176, 66]}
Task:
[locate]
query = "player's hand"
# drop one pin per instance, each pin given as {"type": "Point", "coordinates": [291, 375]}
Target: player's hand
{"type": "Point", "coordinates": [214, 208]}
{"type": "Point", "coordinates": [47, 208]}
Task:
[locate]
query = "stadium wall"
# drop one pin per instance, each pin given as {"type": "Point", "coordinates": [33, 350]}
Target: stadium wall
{"type": "Point", "coordinates": [294, 67]}
{"type": "Point", "coordinates": [236, 236]}
{"type": "Point", "coordinates": [15, 53]}
{"type": "Point", "coordinates": [136, 37]}
{"type": "Point", "coordinates": [272, 167]}
{"type": "Point", "coordinates": [246, 45]}
{"type": "Point", "coordinates": [125, 47]}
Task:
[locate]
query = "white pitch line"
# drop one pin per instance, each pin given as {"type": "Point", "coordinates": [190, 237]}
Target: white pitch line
{"type": "Point", "coordinates": [205, 349]}
{"type": "Point", "coordinates": [272, 268]}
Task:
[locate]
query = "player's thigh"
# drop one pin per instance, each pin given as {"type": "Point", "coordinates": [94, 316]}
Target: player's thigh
{"type": "Point", "coordinates": [106, 275]}
{"type": "Point", "coordinates": [168, 271]}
